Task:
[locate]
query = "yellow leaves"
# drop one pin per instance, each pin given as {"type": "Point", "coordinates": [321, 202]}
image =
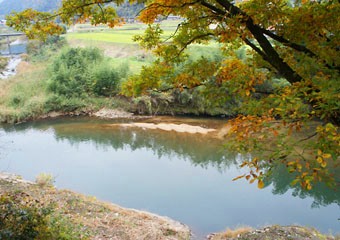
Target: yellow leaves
{"type": "Point", "coordinates": [260, 184]}
{"type": "Point", "coordinates": [319, 159]}
{"type": "Point", "coordinates": [324, 164]}
{"type": "Point", "coordinates": [252, 176]}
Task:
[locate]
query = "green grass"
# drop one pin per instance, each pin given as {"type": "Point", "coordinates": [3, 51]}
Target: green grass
{"type": "Point", "coordinates": [112, 36]}
{"type": "Point", "coordinates": [123, 34]}
{"type": "Point", "coordinates": [117, 43]}
{"type": "Point", "coordinates": [23, 95]}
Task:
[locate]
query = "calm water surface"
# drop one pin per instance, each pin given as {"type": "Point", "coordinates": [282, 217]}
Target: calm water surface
{"type": "Point", "coordinates": [186, 177]}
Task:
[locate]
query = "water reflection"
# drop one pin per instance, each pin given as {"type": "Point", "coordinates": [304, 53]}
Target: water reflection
{"type": "Point", "coordinates": [321, 194]}
{"type": "Point", "coordinates": [199, 150]}
{"type": "Point", "coordinates": [172, 174]}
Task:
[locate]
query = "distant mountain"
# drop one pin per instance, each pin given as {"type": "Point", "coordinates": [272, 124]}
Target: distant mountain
{"type": "Point", "coordinates": [7, 6]}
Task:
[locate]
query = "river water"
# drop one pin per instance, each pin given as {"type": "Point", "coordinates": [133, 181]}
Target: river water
{"type": "Point", "coordinates": [187, 177]}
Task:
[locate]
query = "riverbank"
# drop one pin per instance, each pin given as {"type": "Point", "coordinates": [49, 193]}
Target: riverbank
{"type": "Point", "coordinates": [8, 66]}
{"type": "Point", "coordinates": [99, 220]}
{"type": "Point", "coordinates": [272, 232]}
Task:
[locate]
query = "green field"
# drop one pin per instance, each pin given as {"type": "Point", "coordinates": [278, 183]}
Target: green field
{"type": "Point", "coordinates": [118, 44]}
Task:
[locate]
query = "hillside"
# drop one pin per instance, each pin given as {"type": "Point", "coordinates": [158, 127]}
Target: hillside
{"type": "Point", "coordinates": [7, 6]}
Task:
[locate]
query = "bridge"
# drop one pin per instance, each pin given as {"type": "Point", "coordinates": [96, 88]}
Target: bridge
{"type": "Point", "coordinates": [7, 36]}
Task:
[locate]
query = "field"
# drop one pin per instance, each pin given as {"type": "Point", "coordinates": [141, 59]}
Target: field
{"type": "Point", "coordinates": [118, 44]}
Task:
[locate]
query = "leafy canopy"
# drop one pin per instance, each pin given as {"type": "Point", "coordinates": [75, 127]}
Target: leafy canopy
{"type": "Point", "coordinates": [294, 40]}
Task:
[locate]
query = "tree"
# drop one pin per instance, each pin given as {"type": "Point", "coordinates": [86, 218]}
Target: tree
{"type": "Point", "coordinates": [295, 40]}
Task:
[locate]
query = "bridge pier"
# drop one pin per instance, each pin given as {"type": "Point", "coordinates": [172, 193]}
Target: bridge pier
{"type": "Point", "coordinates": [9, 46]}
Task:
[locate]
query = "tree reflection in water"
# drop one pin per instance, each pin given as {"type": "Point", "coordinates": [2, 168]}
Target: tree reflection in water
{"type": "Point", "coordinates": [200, 150]}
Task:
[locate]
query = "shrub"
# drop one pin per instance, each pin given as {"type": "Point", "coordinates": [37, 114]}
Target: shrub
{"type": "Point", "coordinates": [79, 72]}
{"type": "Point", "coordinates": [24, 217]}
{"type": "Point", "coordinates": [105, 80]}
{"type": "Point", "coordinates": [63, 103]}
{"type": "Point", "coordinates": [70, 71]}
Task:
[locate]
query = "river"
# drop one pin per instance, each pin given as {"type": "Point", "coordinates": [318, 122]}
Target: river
{"type": "Point", "coordinates": [187, 177]}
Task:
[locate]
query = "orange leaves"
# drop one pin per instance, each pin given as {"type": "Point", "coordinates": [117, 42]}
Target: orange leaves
{"type": "Point", "coordinates": [244, 128]}
{"type": "Point", "coordinates": [260, 184]}
{"type": "Point", "coordinates": [239, 177]}
{"type": "Point", "coordinates": [240, 78]}
{"type": "Point", "coordinates": [163, 8]}
{"type": "Point", "coordinates": [35, 24]}
{"type": "Point", "coordinates": [254, 175]}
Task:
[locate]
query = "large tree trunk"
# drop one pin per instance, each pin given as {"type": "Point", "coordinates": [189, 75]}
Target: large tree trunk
{"type": "Point", "coordinates": [267, 51]}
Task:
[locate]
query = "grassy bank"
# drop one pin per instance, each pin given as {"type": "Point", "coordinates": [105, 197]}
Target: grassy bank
{"type": "Point", "coordinates": [25, 96]}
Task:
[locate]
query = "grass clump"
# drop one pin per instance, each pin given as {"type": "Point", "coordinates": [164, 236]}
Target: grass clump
{"type": "Point", "coordinates": [45, 180]}
{"type": "Point", "coordinates": [3, 63]}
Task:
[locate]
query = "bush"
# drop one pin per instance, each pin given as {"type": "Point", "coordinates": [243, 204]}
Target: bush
{"type": "Point", "coordinates": [79, 72]}
{"type": "Point", "coordinates": [105, 80]}
{"type": "Point", "coordinates": [24, 218]}
{"type": "Point", "coordinates": [62, 103]}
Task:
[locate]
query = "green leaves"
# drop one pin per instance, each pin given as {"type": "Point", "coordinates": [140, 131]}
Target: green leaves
{"type": "Point", "coordinates": [151, 38]}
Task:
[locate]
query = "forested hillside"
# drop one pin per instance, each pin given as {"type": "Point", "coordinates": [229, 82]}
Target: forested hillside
{"type": "Point", "coordinates": [127, 10]}
{"type": "Point", "coordinates": [7, 6]}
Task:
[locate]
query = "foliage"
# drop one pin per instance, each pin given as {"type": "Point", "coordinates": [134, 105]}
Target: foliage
{"type": "Point", "coordinates": [78, 72]}
{"type": "Point", "coordinates": [3, 63]}
{"type": "Point", "coordinates": [7, 7]}
{"type": "Point", "coordinates": [23, 217]}
{"type": "Point", "coordinates": [294, 40]}
{"type": "Point", "coordinates": [43, 51]}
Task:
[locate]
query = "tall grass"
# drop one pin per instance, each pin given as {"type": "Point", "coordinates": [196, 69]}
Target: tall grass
{"type": "Point", "coordinates": [23, 96]}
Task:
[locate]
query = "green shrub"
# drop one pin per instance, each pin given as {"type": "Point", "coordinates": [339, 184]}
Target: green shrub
{"type": "Point", "coordinates": [79, 72]}
{"type": "Point", "coordinates": [24, 218]}
{"type": "Point", "coordinates": [71, 71]}
{"type": "Point", "coordinates": [63, 103]}
{"type": "Point", "coordinates": [105, 80]}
